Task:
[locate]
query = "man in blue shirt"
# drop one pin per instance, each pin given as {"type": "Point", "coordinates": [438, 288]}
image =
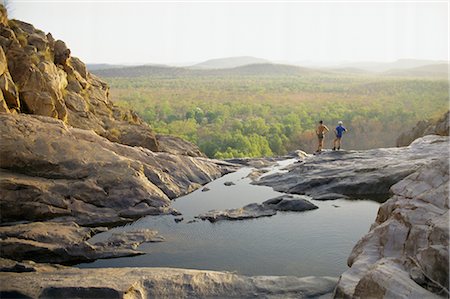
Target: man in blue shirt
{"type": "Point", "coordinates": [338, 131]}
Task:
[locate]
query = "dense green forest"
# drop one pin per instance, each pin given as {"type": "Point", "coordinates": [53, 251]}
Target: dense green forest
{"type": "Point", "coordinates": [250, 116]}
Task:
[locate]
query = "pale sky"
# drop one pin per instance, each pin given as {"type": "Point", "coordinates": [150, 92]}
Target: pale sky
{"type": "Point", "coordinates": [179, 32]}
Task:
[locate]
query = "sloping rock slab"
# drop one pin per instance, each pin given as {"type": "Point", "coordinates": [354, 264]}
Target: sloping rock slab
{"type": "Point", "coordinates": [132, 283]}
{"type": "Point", "coordinates": [266, 209]}
{"type": "Point", "coordinates": [357, 173]}
{"type": "Point", "coordinates": [405, 254]}
{"type": "Point", "coordinates": [63, 172]}
{"type": "Point", "coordinates": [67, 243]}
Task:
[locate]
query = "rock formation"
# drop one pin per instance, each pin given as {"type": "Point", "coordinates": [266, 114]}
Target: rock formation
{"type": "Point", "coordinates": [67, 243]}
{"type": "Point", "coordinates": [71, 174]}
{"type": "Point", "coordinates": [61, 282]}
{"type": "Point", "coordinates": [426, 127]}
{"type": "Point", "coordinates": [39, 75]}
{"type": "Point", "coordinates": [359, 174]}
{"type": "Point", "coordinates": [266, 209]}
{"type": "Point", "coordinates": [405, 254]}
{"type": "Point", "coordinates": [68, 155]}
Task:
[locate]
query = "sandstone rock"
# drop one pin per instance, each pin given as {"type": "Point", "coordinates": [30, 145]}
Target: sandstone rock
{"type": "Point", "coordinates": [290, 203]}
{"type": "Point", "coordinates": [405, 254]}
{"type": "Point", "coordinates": [131, 283]}
{"type": "Point", "coordinates": [229, 184]}
{"type": "Point", "coordinates": [425, 127]}
{"type": "Point", "coordinates": [358, 174]}
{"type": "Point", "coordinates": [131, 239]}
{"type": "Point", "coordinates": [75, 175]}
{"type": "Point", "coordinates": [9, 90]}
{"type": "Point", "coordinates": [266, 209]}
{"type": "Point", "coordinates": [178, 146]}
{"type": "Point", "coordinates": [249, 211]}
{"type": "Point", "coordinates": [55, 242]}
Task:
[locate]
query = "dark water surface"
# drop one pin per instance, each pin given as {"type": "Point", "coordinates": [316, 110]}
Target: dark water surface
{"type": "Point", "coordinates": [308, 243]}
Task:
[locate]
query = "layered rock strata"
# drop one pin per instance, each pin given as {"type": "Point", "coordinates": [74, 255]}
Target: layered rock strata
{"type": "Point", "coordinates": [131, 283]}
{"type": "Point", "coordinates": [405, 254]}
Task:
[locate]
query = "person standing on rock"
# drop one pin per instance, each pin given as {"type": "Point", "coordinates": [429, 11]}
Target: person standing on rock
{"type": "Point", "coordinates": [339, 131]}
{"type": "Point", "coordinates": [321, 131]}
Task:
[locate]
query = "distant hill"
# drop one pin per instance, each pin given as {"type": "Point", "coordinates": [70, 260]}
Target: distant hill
{"type": "Point", "coordinates": [229, 62]}
{"type": "Point", "coordinates": [266, 69]}
{"type": "Point", "coordinates": [387, 66]}
{"type": "Point", "coordinates": [431, 70]}
{"type": "Point", "coordinates": [102, 66]}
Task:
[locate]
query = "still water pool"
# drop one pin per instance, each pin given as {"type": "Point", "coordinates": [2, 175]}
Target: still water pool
{"type": "Point", "coordinates": [308, 243]}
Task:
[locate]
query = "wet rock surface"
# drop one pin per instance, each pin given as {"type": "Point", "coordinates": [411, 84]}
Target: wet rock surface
{"type": "Point", "coordinates": [357, 174]}
{"type": "Point", "coordinates": [159, 283]}
{"type": "Point", "coordinates": [405, 253]}
{"type": "Point", "coordinates": [266, 209]}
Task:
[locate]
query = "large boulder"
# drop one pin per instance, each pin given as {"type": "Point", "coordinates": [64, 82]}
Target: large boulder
{"type": "Point", "coordinates": [51, 170]}
{"type": "Point", "coordinates": [425, 127]}
{"type": "Point", "coordinates": [405, 253]}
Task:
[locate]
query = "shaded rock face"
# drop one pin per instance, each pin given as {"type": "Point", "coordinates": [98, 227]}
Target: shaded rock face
{"type": "Point", "coordinates": [356, 173]}
{"type": "Point", "coordinates": [66, 243]}
{"type": "Point", "coordinates": [425, 127]}
{"type": "Point", "coordinates": [405, 253]}
{"type": "Point", "coordinates": [266, 209]}
{"type": "Point", "coordinates": [130, 283]}
{"type": "Point", "coordinates": [64, 173]}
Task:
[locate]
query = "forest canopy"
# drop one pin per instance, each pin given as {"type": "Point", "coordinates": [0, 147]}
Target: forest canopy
{"type": "Point", "coordinates": [253, 116]}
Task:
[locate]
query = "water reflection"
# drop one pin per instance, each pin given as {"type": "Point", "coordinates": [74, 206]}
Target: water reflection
{"type": "Point", "coordinates": [314, 242]}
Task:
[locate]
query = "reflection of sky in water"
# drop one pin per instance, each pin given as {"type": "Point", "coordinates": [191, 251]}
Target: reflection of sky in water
{"type": "Point", "coordinates": [314, 242]}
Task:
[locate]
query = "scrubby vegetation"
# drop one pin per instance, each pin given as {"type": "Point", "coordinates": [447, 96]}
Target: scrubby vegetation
{"type": "Point", "coordinates": [237, 116]}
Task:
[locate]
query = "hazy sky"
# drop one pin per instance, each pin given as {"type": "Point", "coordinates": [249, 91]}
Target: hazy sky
{"type": "Point", "coordinates": [168, 32]}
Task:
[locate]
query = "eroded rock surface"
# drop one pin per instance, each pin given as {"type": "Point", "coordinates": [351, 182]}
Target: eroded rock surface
{"type": "Point", "coordinates": [405, 254]}
{"type": "Point", "coordinates": [356, 173]}
{"type": "Point", "coordinates": [67, 243]}
{"type": "Point", "coordinates": [64, 173]}
{"type": "Point", "coordinates": [130, 283]}
{"type": "Point", "coordinates": [266, 209]}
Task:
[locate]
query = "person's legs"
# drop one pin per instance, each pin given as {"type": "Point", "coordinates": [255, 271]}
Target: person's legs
{"type": "Point", "coordinates": [339, 143]}
{"type": "Point", "coordinates": [334, 143]}
{"type": "Point", "coordinates": [320, 145]}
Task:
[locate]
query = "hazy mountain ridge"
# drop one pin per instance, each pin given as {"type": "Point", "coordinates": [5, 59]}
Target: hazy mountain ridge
{"type": "Point", "coordinates": [245, 70]}
{"type": "Point", "coordinates": [430, 70]}
{"type": "Point", "coordinates": [229, 62]}
{"type": "Point", "coordinates": [251, 66]}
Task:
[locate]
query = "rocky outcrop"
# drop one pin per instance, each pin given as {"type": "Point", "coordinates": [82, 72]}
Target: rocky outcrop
{"type": "Point", "coordinates": [266, 209]}
{"type": "Point", "coordinates": [405, 254]}
{"type": "Point", "coordinates": [359, 174]}
{"type": "Point", "coordinates": [64, 173]}
{"type": "Point", "coordinates": [67, 243]}
{"type": "Point", "coordinates": [178, 146]}
{"type": "Point", "coordinates": [129, 283]}
{"type": "Point", "coordinates": [426, 127]}
{"type": "Point", "coordinates": [39, 75]}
